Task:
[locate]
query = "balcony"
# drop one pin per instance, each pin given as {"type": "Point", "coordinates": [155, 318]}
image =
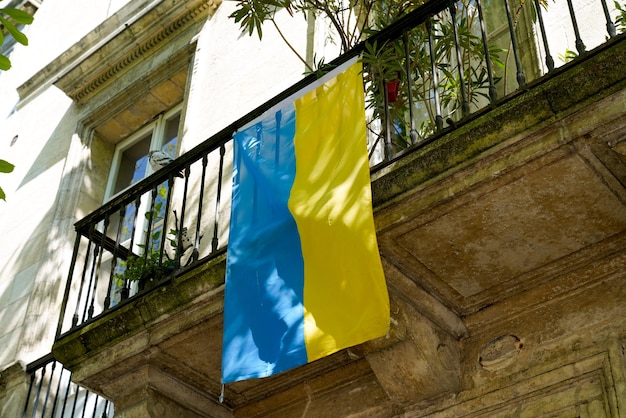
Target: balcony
{"type": "Point", "coordinates": [498, 199]}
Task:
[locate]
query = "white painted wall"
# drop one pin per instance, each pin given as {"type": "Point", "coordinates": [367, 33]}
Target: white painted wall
{"type": "Point", "coordinates": [234, 73]}
{"type": "Point", "coordinates": [591, 22]}
{"type": "Point", "coordinates": [36, 219]}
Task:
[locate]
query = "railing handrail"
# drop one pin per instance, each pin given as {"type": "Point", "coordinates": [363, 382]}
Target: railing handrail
{"type": "Point", "coordinates": [40, 362]}
{"type": "Point", "coordinates": [415, 17]}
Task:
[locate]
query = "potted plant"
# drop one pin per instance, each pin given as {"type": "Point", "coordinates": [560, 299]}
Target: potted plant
{"type": "Point", "coordinates": [154, 263]}
{"type": "Point", "coordinates": [149, 267]}
{"type": "Point", "coordinates": [387, 76]}
{"type": "Point", "coordinates": [145, 269]}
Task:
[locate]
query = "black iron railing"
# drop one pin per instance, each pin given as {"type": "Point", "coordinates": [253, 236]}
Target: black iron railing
{"type": "Point", "coordinates": [52, 394]}
{"type": "Point", "coordinates": [425, 74]}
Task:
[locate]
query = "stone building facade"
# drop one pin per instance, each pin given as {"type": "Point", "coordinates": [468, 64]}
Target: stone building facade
{"type": "Point", "coordinates": [503, 241]}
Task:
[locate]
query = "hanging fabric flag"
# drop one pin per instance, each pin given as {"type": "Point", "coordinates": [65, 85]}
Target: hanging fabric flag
{"type": "Point", "coordinates": [304, 277]}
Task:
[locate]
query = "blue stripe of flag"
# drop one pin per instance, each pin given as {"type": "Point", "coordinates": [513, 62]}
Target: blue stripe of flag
{"type": "Point", "coordinates": [264, 322]}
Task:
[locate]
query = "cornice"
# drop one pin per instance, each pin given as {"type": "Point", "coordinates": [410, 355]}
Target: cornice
{"type": "Point", "coordinates": [106, 53]}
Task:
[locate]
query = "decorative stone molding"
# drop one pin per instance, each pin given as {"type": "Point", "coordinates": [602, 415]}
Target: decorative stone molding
{"type": "Point", "coordinates": [500, 352]}
{"type": "Point", "coordinates": [97, 60]}
{"type": "Point", "coordinates": [13, 387]}
{"type": "Point", "coordinates": [586, 384]}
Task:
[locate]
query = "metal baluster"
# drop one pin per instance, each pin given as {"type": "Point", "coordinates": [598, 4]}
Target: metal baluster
{"type": "Point", "coordinates": [521, 78]}
{"type": "Point", "coordinates": [214, 241]}
{"type": "Point", "coordinates": [200, 200]}
{"type": "Point", "coordinates": [48, 385]}
{"type": "Point", "coordinates": [388, 144]}
{"type": "Point", "coordinates": [36, 404]}
{"type": "Point", "coordinates": [183, 209]}
{"type": "Point", "coordinates": [67, 392]}
{"type": "Point", "coordinates": [116, 249]}
{"type": "Point", "coordinates": [125, 292]}
{"type": "Point", "coordinates": [433, 67]}
{"type": "Point", "coordinates": [86, 399]}
{"type": "Point", "coordinates": [580, 46]}
{"type": "Point", "coordinates": [370, 123]}
{"type": "Point", "coordinates": [68, 286]}
{"type": "Point", "coordinates": [133, 228]}
{"type": "Point", "coordinates": [94, 263]}
{"type": "Point", "coordinates": [610, 27]}
{"type": "Point", "coordinates": [464, 101]}
{"type": "Point", "coordinates": [75, 399]}
{"type": "Point", "coordinates": [95, 284]}
{"type": "Point", "coordinates": [373, 147]}
{"type": "Point", "coordinates": [95, 406]}
{"type": "Point", "coordinates": [493, 93]}
{"type": "Point", "coordinates": [30, 389]}
{"type": "Point", "coordinates": [166, 217]}
{"type": "Point", "coordinates": [147, 249]}
{"type": "Point", "coordinates": [75, 318]}
{"type": "Point", "coordinates": [409, 82]}
{"type": "Point", "coordinates": [105, 412]}
{"type": "Point", "coordinates": [57, 391]}
{"type": "Point", "coordinates": [549, 60]}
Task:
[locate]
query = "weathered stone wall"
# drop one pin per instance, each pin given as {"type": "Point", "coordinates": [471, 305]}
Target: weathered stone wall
{"type": "Point", "coordinates": [503, 247]}
{"type": "Point", "coordinates": [13, 389]}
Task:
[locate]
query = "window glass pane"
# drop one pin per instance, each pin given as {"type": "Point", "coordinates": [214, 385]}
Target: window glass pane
{"type": "Point", "coordinates": [169, 141]}
{"type": "Point", "coordinates": [127, 224]}
{"type": "Point", "coordinates": [133, 164]}
{"type": "Point", "coordinates": [170, 138]}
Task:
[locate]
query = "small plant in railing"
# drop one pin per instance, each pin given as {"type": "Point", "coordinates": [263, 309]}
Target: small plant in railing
{"type": "Point", "coordinates": [386, 63]}
{"type": "Point", "coordinates": [145, 269]}
{"type": "Point", "coordinates": [568, 55]}
{"type": "Point", "coordinates": [620, 19]}
{"type": "Point", "coordinates": [152, 265]}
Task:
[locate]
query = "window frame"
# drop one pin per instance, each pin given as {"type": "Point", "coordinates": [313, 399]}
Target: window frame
{"type": "Point", "coordinates": [157, 130]}
{"type": "Point", "coordinates": [157, 127]}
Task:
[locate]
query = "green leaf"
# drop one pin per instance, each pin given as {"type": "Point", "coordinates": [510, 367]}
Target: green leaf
{"type": "Point", "coordinates": [15, 32]}
{"type": "Point", "coordinates": [19, 16]}
{"type": "Point", "coordinates": [5, 63]}
{"type": "Point", "coordinates": [2, 195]}
{"type": "Point", "coordinates": [6, 167]}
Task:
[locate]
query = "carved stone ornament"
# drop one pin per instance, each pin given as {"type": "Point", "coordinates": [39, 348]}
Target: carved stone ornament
{"type": "Point", "coordinates": [500, 352]}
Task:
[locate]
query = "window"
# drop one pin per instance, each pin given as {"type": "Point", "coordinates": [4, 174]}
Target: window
{"type": "Point", "coordinates": [130, 164]}
{"type": "Point", "coordinates": [130, 161]}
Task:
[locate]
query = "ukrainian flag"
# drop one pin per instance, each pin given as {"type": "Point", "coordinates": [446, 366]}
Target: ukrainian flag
{"type": "Point", "coordinates": [304, 277]}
